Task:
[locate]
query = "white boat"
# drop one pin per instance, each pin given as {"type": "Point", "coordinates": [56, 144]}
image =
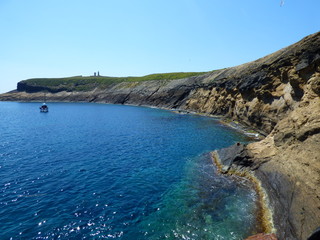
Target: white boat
{"type": "Point", "coordinates": [44, 108]}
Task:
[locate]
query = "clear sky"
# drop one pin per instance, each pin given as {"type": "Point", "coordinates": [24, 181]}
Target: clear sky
{"type": "Point", "coordinates": [61, 38]}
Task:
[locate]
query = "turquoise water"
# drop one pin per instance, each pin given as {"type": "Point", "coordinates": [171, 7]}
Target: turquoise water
{"type": "Point", "coordinates": [95, 171]}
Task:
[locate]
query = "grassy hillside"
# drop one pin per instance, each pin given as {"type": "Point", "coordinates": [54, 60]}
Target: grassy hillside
{"type": "Point", "coordinates": [80, 83]}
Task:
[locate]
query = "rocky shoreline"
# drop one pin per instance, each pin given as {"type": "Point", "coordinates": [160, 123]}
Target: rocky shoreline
{"type": "Point", "coordinates": [278, 96]}
{"type": "Point", "coordinates": [224, 159]}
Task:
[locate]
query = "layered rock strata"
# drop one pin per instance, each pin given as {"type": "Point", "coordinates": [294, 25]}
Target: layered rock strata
{"type": "Point", "coordinates": [278, 95]}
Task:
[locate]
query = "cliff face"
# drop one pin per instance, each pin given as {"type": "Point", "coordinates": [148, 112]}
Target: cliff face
{"type": "Point", "coordinates": [279, 95]}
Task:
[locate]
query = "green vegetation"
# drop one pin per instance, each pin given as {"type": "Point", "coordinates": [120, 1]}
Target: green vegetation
{"type": "Point", "coordinates": [80, 83]}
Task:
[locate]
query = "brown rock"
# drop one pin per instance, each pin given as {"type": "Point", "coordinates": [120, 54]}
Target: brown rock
{"type": "Point", "coordinates": [315, 84]}
{"type": "Point", "coordinates": [262, 236]}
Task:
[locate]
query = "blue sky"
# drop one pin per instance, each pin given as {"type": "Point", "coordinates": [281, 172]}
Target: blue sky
{"type": "Point", "coordinates": [60, 38]}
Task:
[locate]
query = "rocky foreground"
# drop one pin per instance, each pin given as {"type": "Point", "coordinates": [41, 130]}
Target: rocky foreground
{"type": "Point", "coordinates": [278, 95]}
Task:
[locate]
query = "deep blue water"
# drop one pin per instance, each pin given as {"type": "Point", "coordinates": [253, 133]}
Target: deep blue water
{"type": "Point", "coordinates": [96, 171]}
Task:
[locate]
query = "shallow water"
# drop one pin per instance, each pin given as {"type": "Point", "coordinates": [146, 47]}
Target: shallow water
{"type": "Point", "coordinates": [91, 171]}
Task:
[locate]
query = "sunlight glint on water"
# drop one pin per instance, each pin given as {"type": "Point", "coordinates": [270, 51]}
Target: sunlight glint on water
{"type": "Point", "coordinates": [107, 171]}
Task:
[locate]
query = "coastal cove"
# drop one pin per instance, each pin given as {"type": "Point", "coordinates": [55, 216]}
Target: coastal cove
{"type": "Point", "coordinates": [126, 172]}
{"type": "Point", "coordinates": [277, 95]}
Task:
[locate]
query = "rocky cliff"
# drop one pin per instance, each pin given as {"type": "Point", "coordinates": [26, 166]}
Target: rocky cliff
{"type": "Point", "coordinates": [278, 95]}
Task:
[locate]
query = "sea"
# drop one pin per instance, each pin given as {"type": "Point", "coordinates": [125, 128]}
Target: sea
{"type": "Point", "coordinates": [102, 171]}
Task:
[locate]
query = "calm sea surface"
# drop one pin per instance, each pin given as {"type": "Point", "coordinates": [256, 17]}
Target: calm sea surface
{"type": "Point", "coordinates": [95, 171]}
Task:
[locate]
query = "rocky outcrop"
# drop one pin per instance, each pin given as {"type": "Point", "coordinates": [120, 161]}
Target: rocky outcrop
{"type": "Point", "coordinates": [287, 161]}
{"type": "Point", "coordinates": [278, 95]}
